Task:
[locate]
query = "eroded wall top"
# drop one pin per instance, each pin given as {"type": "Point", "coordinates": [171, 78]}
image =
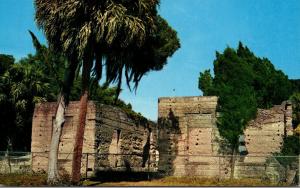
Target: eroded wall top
{"type": "Point", "coordinates": [180, 106]}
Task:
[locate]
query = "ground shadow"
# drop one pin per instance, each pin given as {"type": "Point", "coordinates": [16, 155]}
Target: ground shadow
{"type": "Point", "coordinates": [114, 176]}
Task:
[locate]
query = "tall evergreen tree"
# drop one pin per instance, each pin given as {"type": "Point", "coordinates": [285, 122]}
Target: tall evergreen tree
{"type": "Point", "coordinates": [243, 83]}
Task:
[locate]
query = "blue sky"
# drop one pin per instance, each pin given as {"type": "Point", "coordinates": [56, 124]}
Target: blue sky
{"type": "Point", "coordinates": [270, 28]}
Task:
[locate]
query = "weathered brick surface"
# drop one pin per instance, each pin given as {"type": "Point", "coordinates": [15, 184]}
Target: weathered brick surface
{"type": "Point", "coordinates": [106, 149]}
{"type": "Point", "coordinates": [264, 136]}
{"type": "Point", "coordinates": [42, 130]}
{"type": "Point", "coordinates": [188, 138]}
{"type": "Point", "coordinates": [130, 143]}
{"type": "Point", "coordinates": [187, 132]}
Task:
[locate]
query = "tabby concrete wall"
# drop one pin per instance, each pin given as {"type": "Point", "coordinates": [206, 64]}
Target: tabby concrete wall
{"type": "Point", "coordinates": [42, 131]}
{"type": "Point", "coordinates": [109, 135]}
{"type": "Point", "coordinates": [129, 145]}
{"type": "Point", "coordinates": [263, 137]}
{"type": "Point", "coordinates": [268, 129]}
{"type": "Point", "coordinates": [188, 137]}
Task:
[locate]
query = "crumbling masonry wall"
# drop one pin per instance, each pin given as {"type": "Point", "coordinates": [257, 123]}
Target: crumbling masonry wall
{"type": "Point", "coordinates": [188, 139]}
{"type": "Point", "coordinates": [110, 136]}
{"type": "Point", "coordinates": [268, 129]}
{"type": "Point", "coordinates": [122, 144]}
{"type": "Point", "coordinates": [263, 137]}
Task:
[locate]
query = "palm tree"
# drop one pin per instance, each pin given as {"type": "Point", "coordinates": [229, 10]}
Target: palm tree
{"type": "Point", "coordinates": [115, 34]}
{"type": "Point", "coordinates": [25, 84]}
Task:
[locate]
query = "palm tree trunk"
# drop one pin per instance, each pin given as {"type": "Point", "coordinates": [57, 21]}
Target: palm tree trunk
{"type": "Point", "coordinates": [77, 154]}
{"type": "Point", "coordinates": [56, 132]}
{"type": "Point", "coordinates": [63, 100]}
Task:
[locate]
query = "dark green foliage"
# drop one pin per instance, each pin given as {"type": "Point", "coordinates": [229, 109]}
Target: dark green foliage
{"type": "Point", "coordinates": [238, 107]}
{"type": "Point", "coordinates": [243, 83]}
{"type": "Point", "coordinates": [205, 82]}
{"type": "Point", "coordinates": [291, 146]}
{"type": "Point", "coordinates": [289, 154]}
{"type": "Point", "coordinates": [129, 37]}
{"type": "Point", "coordinates": [22, 85]}
{"type": "Point", "coordinates": [288, 157]}
{"type": "Point", "coordinates": [295, 98]}
{"type": "Point", "coordinates": [38, 78]}
{"type": "Point", "coordinates": [5, 62]}
{"type": "Point", "coordinates": [295, 85]}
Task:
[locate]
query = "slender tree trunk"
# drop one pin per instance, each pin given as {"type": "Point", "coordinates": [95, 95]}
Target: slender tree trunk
{"type": "Point", "coordinates": [233, 158]}
{"type": "Point", "coordinates": [62, 102]}
{"type": "Point", "coordinates": [77, 154]}
{"type": "Point", "coordinates": [53, 176]}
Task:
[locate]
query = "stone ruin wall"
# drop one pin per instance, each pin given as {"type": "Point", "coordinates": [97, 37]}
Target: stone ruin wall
{"type": "Point", "coordinates": [42, 131]}
{"type": "Point", "coordinates": [264, 136]}
{"type": "Point", "coordinates": [109, 135]}
{"type": "Point", "coordinates": [186, 136]}
{"type": "Point", "coordinates": [188, 139]}
{"type": "Point", "coordinates": [123, 144]}
{"type": "Point", "coordinates": [268, 129]}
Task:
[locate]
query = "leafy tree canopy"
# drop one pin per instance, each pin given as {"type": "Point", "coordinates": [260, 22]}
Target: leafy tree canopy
{"type": "Point", "coordinates": [288, 155]}
{"type": "Point", "coordinates": [127, 36]}
{"type": "Point", "coordinates": [295, 98]}
{"type": "Point", "coordinates": [243, 83]}
{"type": "Point", "coordinates": [295, 85]}
{"type": "Point", "coordinates": [34, 79]}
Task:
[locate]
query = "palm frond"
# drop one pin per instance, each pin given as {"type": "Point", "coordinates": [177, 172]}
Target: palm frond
{"type": "Point", "coordinates": [35, 41]}
{"type": "Point", "coordinates": [129, 34]}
